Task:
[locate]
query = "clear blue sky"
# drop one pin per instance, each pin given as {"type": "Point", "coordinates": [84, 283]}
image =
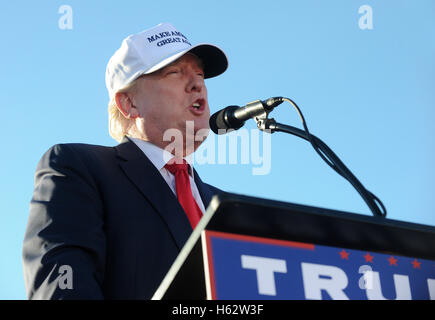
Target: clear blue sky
{"type": "Point", "coordinates": [369, 94]}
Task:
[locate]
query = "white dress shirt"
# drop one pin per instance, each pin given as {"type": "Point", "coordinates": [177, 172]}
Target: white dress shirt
{"type": "Point", "coordinates": [157, 157]}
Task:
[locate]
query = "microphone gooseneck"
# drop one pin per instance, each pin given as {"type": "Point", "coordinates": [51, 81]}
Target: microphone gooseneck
{"type": "Point", "coordinates": [234, 117]}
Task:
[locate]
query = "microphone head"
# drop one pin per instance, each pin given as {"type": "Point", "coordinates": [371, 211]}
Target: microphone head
{"type": "Point", "coordinates": [224, 120]}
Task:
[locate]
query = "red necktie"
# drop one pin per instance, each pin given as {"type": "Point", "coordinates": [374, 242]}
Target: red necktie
{"type": "Point", "coordinates": [184, 192]}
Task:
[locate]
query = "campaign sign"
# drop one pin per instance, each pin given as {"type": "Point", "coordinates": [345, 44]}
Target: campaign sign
{"type": "Point", "coordinates": [246, 267]}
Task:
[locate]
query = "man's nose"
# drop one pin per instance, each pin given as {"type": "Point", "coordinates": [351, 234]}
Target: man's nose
{"type": "Point", "coordinates": [195, 83]}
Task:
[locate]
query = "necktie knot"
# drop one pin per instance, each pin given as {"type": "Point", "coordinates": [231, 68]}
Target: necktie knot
{"type": "Point", "coordinates": [174, 167]}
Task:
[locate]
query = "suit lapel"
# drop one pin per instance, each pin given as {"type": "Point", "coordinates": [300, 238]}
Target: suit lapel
{"type": "Point", "coordinates": [154, 188]}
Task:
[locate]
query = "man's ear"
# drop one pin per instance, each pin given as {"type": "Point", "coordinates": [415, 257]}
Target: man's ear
{"type": "Point", "coordinates": [125, 105]}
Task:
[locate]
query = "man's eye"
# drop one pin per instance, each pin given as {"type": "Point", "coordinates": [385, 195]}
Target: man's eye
{"type": "Point", "coordinates": [172, 71]}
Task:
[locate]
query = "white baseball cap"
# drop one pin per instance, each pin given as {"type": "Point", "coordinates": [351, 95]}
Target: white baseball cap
{"type": "Point", "coordinates": [154, 48]}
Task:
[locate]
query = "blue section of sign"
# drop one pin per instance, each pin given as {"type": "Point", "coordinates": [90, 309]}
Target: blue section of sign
{"type": "Point", "coordinates": [320, 273]}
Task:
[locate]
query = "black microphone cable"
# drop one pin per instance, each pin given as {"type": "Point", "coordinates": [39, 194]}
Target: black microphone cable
{"type": "Point", "coordinates": [327, 155]}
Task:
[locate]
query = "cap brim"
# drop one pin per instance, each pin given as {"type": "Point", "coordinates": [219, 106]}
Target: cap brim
{"type": "Point", "coordinates": [214, 59]}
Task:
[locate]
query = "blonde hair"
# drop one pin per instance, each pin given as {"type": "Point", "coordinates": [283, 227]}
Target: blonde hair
{"type": "Point", "coordinates": [119, 125]}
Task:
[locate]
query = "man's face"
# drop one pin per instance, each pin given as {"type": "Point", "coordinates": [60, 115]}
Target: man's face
{"type": "Point", "coordinates": [167, 98]}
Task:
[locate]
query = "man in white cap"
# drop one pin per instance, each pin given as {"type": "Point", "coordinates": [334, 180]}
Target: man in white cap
{"type": "Point", "coordinates": [108, 222]}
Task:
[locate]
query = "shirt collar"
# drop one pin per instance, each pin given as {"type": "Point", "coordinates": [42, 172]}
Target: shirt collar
{"type": "Point", "coordinates": [158, 156]}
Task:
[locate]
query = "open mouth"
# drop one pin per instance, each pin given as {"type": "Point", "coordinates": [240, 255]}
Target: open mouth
{"type": "Point", "coordinates": [198, 106]}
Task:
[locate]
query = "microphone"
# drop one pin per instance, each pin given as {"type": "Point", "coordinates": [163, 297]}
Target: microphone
{"type": "Point", "coordinates": [234, 117]}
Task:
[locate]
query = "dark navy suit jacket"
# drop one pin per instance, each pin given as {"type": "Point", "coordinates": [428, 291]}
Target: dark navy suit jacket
{"type": "Point", "coordinates": [107, 214]}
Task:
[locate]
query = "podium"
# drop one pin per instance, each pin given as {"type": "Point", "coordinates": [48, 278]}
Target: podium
{"type": "Point", "coordinates": [247, 248]}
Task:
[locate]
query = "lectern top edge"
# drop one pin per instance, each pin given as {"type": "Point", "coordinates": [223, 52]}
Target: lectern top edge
{"type": "Point", "coordinates": [295, 222]}
{"type": "Point", "coordinates": [220, 200]}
